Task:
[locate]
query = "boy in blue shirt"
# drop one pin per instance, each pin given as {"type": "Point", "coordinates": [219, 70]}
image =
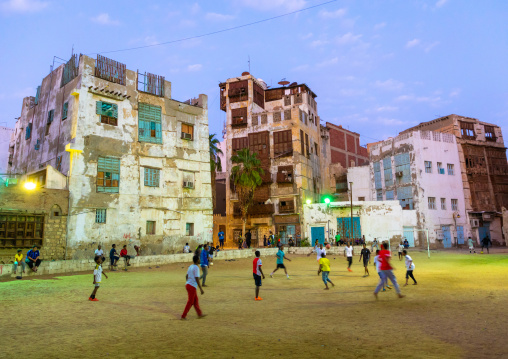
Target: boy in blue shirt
{"type": "Point", "coordinates": [280, 261]}
{"type": "Point", "coordinates": [204, 264]}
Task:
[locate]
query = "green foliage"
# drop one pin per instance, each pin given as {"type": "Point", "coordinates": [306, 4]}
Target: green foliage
{"type": "Point", "coordinates": [248, 171]}
{"type": "Point", "coordinates": [215, 151]}
{"type": "Point", "coordinates": [305, 242]}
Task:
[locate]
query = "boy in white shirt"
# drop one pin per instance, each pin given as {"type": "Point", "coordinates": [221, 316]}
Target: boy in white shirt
{"type": "Point", "coordinates": [410, 266]}
{"type": "Point", "coordinates": [97, 277]}
{"type": "Point", "coordinates": [401, 249]}
{"type": "Point", "coordinates": [349, 252]}
{"type": "Point", "coordinates": [318, 249]}
{"type": "Point", "coordinates": [192, 285]}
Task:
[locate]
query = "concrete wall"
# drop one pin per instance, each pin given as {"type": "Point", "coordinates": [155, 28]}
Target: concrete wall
{"type": "Point", "coordinates": [362, 185]}
{"type": "Point", "coordinates": [5, 139]}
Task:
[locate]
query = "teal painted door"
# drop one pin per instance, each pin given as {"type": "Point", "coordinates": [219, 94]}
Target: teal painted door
{"type": "Point", "coordinates": [317, 233]}
{"type": "Point", "coordinates": [460, 234]}
{"type": "Point", "coordinates": [289, 232]}
{"type": "Point", "coordinates": [447, 237]}
{"type": "Point", "coordinates": [344, 228]}
{"type": "Point", "coordinates": [484, 231]}
{"type": "Point", "coordinates": [409, 235]}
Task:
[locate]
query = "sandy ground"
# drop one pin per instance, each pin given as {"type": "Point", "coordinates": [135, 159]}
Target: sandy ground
{"type": "Point", "coordinates": [457, 310]}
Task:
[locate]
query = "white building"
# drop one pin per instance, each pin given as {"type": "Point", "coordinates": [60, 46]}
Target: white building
{"type": "Point", "coordinates": [5, 139]}
{"type": "Point", "coordinates": [421, 169]}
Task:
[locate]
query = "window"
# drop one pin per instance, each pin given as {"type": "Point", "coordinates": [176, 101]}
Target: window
{"type": "Point", "coordinates": [189, 229]}
{"type": "Point", "coordinates": [286, 205]}
{"type": "Point", "coordinates": [188, 179]}
{"type": "Point", "coordinates": [282, 143]}
{"type": "Point", "coordinates": [389, 195]}
{"type": "Point", "coordinates": [450, 168]}
{"type": "Point", "coordinates": [20, 230]}
{"type": "Point", "coordinates": [28, 132]}
{"type": "Point", "coordinates": [440, 168]}
{"type": "Point", "coordinates": [150, 227]}
{"type": "Point", "coordinates": [149, 123]}
{"type": "Point", "coordinates": [467, 130]}
{"type": "Point", "coordinates": [100, 216]}
{"type": "Point", "coordinates": [65, 109]}
{"type": "Point", "coordinates": [302, 143]}
{"type": "Point", "coordinates": [361, 198]}
{"type": "Point", "coordinates": [443, 204]}
{"type": "Point", "coordinates": [285, 174]}
{"type": "Point", "coordinates": [108, 174]}
{"type": "Point", "coordinates": [490, 135]}
{"type": "Point", "coordinates": [455, 204]}
{"type": "Point", "coordinates": [402, 168]}
{"type": "Point", "coordinates": [152, 176]}
{"type": "Point", "coordinates": [316, 149]}
{"type": "Point", "coordinates": [239, 143]}
{"type": "Point", "coordinates": [432, 202]}
{"type": "Point", "coordinates": [255, 120]}
{"type": "Point", "coordinates": [239, 117]}
{"type": "Point", "coordinates": [51, 115]}
{"type": "Point", "coordinates": [108, 112]}
{"type": "Point", "coordinates": [428, 167]}
{"type": "Point", "coordinates": [307, 145]}
{"type": "Point", "coordinates": [377, 176]}
{"type": "Point", "coordinates": [37, 95]}
{"type": "Point", "coordinates": [59, 163]}
{"type": "Point", "coordinates": [387, 167]}
{"type": "Point", "coordinates": [379, 195]}
{"type": "Point", "coordinates": [287, 115]}
{"type": "Point", "coordinates": [277, 116]}
{"type": "Point", "coordinates": [187, 132]}
{"type": "Point", "coordinates": [405, 197]}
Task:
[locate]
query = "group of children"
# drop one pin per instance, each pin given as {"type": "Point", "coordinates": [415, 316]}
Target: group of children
{"type": "Point", "coordinates": [32, 260]}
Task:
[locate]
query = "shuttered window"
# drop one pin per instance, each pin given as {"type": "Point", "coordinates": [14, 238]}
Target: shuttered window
{"type": "Point", "coordinates": [37, 95]}
{"type": "Point", "coordinates": [108, 174]}
{"type": "Point", "coordinates": [282, 143]}
{"type": "Point", "coordinates": [187, 132]}
{"type": "Point", "coordinates": [302, 143]}
{"type": "Point", "coordinates": [100, 215]}
{"type": "Point", "coordinates": [152, 176]}
{"type": "Point", "coordinates": [239, 144]}
{"type": "Point", "coordinates": [28, 132]}
{"type": "Point", "coordinates": [108, 112]}
{"type": "Point", "coordinates": [65, 109]}
{"type": "Point", "coordinates": [51, 115]}
{"type": "Point", "coordinates": [149, 126]}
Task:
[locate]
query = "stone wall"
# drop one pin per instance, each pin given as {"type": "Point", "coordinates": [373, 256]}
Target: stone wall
{"type": "Point", "coordinates": [54, 238]}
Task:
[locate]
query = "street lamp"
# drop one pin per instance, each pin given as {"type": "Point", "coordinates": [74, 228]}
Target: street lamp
{"type": "Point", "coordinates": [327, 200]}
{"type": "Point", "coordinates": [309, 201]}
{"type": "Point", "coordinates": [29, 186]}
{"type": "Point", "coordinates": [352, 224]}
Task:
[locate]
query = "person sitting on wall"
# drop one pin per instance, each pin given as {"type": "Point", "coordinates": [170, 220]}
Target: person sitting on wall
{"type": "Point", "coordinates": [186, 248]}
{"type": "Point", "coordinates": [290, 242]}
{"type": "Point", "coordinates": [137, 249]}
{"type": "Point", "coordinates": [113, 257]}
{"type": "Point", "coordinates": [18, 260]}
{"type": "Point", "coordinates": [406, 243]}
{"type": "Point", "coordinates": [32, 258]}
{"type": "Point", "coordinates": [99, 252]}
{"type": "Point", "coordinates": [123, 254]}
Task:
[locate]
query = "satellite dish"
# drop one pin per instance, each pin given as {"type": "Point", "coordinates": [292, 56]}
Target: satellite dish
{"type": "Point", "coordinates": [284, 83]}
{"type": "Point", "coordinates": [245, 73]}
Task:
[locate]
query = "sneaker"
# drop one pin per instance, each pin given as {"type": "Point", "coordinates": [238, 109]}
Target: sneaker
{"type": "Point", "coordinates": [384, 290]}
{"type": "Point", "coordinates": [288, 277]}
{"type": "Point", "coordinates": [259, 298]}
{"type": "Point", "coordinates": [349, 270]}
{"type": "Point", "coordinates": [201, 316]}
{"type": "Point", "coordinates": [93, 300]}
{"type": "Point", "coordinates": [182, 318]}
{"type": "Point", "coordinates": [271, 275]}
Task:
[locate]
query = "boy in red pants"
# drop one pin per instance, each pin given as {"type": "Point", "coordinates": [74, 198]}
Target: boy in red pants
{"type": "Point", "coordinates": [192, 285]}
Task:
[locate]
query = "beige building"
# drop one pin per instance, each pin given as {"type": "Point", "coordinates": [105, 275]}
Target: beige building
{"type": "Point", "coordinates": [134, 160]}
{"type": "Point", "coordinates": [282, 126]}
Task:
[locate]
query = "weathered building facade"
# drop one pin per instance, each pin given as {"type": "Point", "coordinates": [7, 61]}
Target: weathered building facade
{"type": "Point", "coordinates": [136, 161]}
{"type": "Point", "coordinates": [483, 168]}
{"type": "Point", "coordinates": [421, 169]}
{"type": "Point", "coordinates": [282, 126]}
{"type": "Point", "coordinates": [5, 149]}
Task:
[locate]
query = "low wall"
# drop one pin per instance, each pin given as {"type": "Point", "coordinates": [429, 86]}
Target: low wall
{"type": "Point", "coordinates": [82, 265]}
{"type": "Point", "coordinates": [333, 250]}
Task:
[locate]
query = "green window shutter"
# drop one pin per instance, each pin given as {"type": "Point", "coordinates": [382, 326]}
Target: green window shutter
{"type": "Point", "coordinates": [149, 118]}
{"type": "Point", "coordinates": [106, 109]}
{"type": "Point", "coordinates": [28, 132]}
{"type": "Point", "coordinates": [64, 110]}
{"type": "Point", "coordinates": [98, 107]}
{"type": "Point", "coordinates": [158, 133]}
{"type": "Point", "coordinates": [110, 166]}
{"type": "Point", "coordinates": [50, 116]}
{"type": "Point", "coordinates": [114, 111]}
{"type": "Point", "coordinates": [37, 95]}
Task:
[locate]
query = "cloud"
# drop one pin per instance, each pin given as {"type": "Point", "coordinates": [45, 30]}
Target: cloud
{"type": "Point", "coordinates": [412, 43]}
{"type": "Point", "coordinates": [422, 99]}
{"type": "Point", "coordinates": [455, 92]}
{"type": "Point", "coordinates": [431, 46]}
{"type": "Point", "coordinates": [386, 109]}
{"type": "Point", "coordinates": [389, 84]}
{"type": "Point", "coordinates": [441, 3]}
{"type": "Point", "coordinates": [195, 8]}
{"type": "Point", "coordinates": [23, 6]}
{"type": "Point", "coordinates": [104, 19]}
{"type": "Point", "coordinates": [187, 23]}
{"type": "Point", "coordinates": [390, 121]}
{"type": "Point", "coordinates": [332, 14]}
{"type": "Point", "coordinates": [150, 40]}
{"type": "Point", "coordinates": [317, 43]}
{"type": "Point", "coordinates": [194, 68]}
{"type": "Point", "coordinates": [268, 5]}
{"type": "Point", "coordinates": [213, 16]}
{"type": "Point", "coordinates": [300, 68]}
{"type": "Point", "coordinates": [348, 38]}
{"type": "Point", "coordinates": [308, 36]}
{"type": "Point", "coordinates": [329, 62]}
{"type": "Point", "coordinates": [379, 26]}
{"type": "Point", "coordinates": [351, 92]}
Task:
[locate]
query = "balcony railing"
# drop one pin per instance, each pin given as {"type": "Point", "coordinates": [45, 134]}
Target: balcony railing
{"type": "Point", "coordinates": [284, 177]}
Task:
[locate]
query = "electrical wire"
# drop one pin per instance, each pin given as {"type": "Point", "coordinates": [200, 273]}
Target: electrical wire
{"type": "Point", "coordinates": [216, 32]}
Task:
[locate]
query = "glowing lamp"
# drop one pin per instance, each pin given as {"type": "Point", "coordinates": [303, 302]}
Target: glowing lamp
{"type": "Point", "coordinates": [29, 186]}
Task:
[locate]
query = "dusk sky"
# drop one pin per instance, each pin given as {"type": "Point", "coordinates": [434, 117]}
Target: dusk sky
{"type": "Point", "coordinates": [377, 67]}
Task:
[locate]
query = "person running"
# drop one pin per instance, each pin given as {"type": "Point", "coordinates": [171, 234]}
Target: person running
{"type": "Point", "coordinates": [410, 267]}
{"type": "Point", "coordinates": [257, 273]}
{"type": "Point", "coordinates": [221, 239]}
{"type": "Point", "coordinates": [374, 245]}
{"type": "Point", "coordinates": [349, 252]}
{"type": "Point", "coordinates": [192, 283]}
{"type": "Point", "coordinates": [377, 264]}
{"type": "Point", "coordinates": [324, 269]}
{"type": "Point", "coordinates": [365, 254]}
{"type": "Point", "coordinates": [280, 262]}
{"type": "Point", "coordinates": [337, 239]}
{"type": "Point", "coordinates": [97, 277]}
{"type": "Point", "coordinates": [204, 263]}
{"type": "Point", "coordinates": [318, 249]}
{"type": "Point", "coordinates": [386, 271]}
{"type": "Point", "coordinates": [401, 248]}
{"type": "Point", "coordinates": [486, 242]}
{"type": "Point", "coordinates": [471, 245]}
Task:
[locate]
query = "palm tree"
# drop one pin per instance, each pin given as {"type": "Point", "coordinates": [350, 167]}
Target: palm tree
{"type": "Point", "coordinates": [246, 176]}
{"type": "Point", "coordinates": [215, 163]}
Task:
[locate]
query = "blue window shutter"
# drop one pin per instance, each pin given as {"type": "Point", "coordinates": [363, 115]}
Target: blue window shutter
{"type": "Point", "coordinates": [64, 110]}
{"type": "Point", "coordinates": [158, 133]}
{"type": "Point", "coordinates": [28, 132]}
{"type": "Point", "coordinates": [98, 107]}
{"type": "Point", "coordinates": [114, 110]}
{"type": "Point", "coordinates": [149, 118]}
{"type": "Point", "coordinates": [50, 116]}
{"type": "Point", "coordinates": [37, 95]}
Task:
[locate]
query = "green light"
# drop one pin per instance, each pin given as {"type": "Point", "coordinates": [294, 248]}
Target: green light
{"type": "Point", "coordinates": [327, 200]}
{"type": "Point", "coordinates": [309, 201]}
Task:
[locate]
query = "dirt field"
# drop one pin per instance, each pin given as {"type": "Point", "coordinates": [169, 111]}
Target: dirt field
{"type": "Point", "coordinates": [457, 310]}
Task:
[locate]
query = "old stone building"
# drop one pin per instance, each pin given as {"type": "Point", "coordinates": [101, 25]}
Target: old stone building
{"type": "Point", "coordinates": [5, 150]}
{"type": "Point", "coordinates": [421, 169]}
{"type": "Point", "coordinates": [483, 169]}
{"type": "Point", "coordinates": [281, 125]}
{"type": "Point", "coordinates": [136, 161]}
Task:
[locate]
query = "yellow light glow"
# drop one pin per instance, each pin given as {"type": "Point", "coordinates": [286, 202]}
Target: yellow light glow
{"type": "Point", "coordinates": [30, 186]}
{"type": "Point", "coordinates": [309, 201]}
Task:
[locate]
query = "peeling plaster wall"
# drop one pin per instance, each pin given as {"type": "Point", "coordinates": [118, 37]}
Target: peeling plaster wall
{"type": "Point", "coordinates": [362, 185]}
{"type": "Point", "coordinates": [5, 140]}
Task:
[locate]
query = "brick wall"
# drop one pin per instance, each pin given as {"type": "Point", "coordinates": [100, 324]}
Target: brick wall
{"type": "Point", "coordinates": [337, 139]}
{"type": "Point", "coordinates": [339, 157]}
{"type": "Point", "coordinates": [350, 144]}
{"type": "Point", "coordinates": [54, 238]}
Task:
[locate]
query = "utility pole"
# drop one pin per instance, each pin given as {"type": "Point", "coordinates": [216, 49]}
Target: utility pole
{"type": "Point", "coordinates": [352, 224]}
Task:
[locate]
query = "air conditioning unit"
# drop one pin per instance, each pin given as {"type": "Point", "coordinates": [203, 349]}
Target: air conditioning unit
{"type": "Point", "coordinates": [399, 174]}
{"type": "Point", "coordinates": [487, 217]}
{"type": "Point", "coordinates": [475, 223]}
{"type": "Point", "coordinates": [186, 136]}
{"type": "Point", "coordinates": [187, 184]}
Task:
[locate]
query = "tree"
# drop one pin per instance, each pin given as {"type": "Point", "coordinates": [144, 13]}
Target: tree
{"type": "Point", "coordinates": [246, 176]}
{"type": "Point", "coordinates": [215, 163]}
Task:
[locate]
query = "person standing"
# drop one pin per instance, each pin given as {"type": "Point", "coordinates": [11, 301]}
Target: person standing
{"type": "Point", "coordinates": [192, 283]}
{"type": "Point", "coordinates": [257, 274]}
{"type": "Point", "coordinates": [471, 245]}
{"type": "Point", "coordinates": [204, 263]}
{"type": "Point", "coordinates": [271, 237]}
{"type": "Point", "coordinates": [324, 269]}
{"type": "Point", "coordinates": [401, 248]}
{"type": "Point", "coordinates": [264, 241]}
{"type": "Point", "coordinates": [221, 239]}
{"type": "Point", "coordinates": [486, 242]}
{"type": "Point", "coordinates": [97, 277]}
{"type": "Point", "coordinates": [365, 254]}
{"type": "Point", "coordinates": [32, 258]}
{"type": "Point", "coordinates": [410, 267]}
{"type": "Point", "coordinates": [374, 245]}
{"type": "Point", "coordinates": [349, 252]}
{"type": "Point", "coordinates": [18, 260]}
{"type": "Point", "coordinates": [386, 271]}
{"type": "Point", "coordinates": [280, 261]}
{"type": "Point", "coordinates": [337, 239]}
{"type": "Point", "coordinates": [248, 238]}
